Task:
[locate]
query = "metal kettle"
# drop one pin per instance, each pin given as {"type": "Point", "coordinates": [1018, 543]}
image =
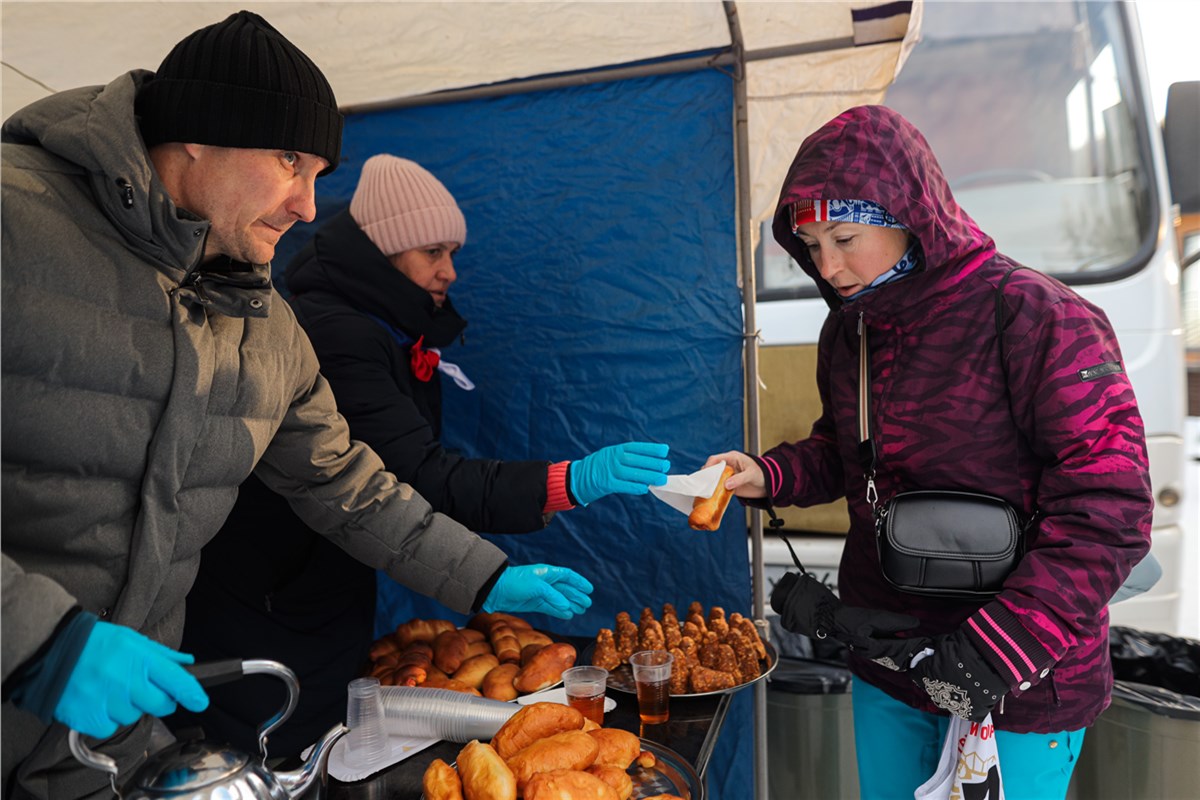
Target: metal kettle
{"type": "Point", "coordinates": [198, 770]}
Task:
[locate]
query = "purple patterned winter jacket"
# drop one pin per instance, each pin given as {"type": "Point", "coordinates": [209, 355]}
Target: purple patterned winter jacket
{"type": "Point", "coordinates": [1054, 428]}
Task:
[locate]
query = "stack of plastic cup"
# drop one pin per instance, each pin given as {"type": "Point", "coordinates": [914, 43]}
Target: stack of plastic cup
{"type": "Point", "coordinates": [367, 742]}
{"type": "Point", "coordinates": [443, 714]}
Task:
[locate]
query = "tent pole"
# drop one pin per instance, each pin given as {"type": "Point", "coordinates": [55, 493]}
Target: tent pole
{"type": "Point", "coordinates": [741, 144]}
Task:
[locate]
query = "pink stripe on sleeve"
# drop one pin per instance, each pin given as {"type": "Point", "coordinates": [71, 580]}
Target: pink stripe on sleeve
{"type": "Point", "coordinates": [995, 649]}
{"type": "Point", "coordinates": [776, 475]}
{"type": "Point", "coordinates": [1008, 639]}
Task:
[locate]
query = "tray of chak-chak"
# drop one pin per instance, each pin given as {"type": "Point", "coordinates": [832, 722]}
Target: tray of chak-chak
{"type": "Point", "coordinates": [712, 654]}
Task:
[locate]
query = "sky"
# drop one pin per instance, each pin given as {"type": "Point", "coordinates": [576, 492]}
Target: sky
{"type": "Point", "coordinates": [1170, 31]}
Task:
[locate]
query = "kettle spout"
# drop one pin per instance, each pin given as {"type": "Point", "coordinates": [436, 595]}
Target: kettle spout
{"type": "Point", "coordinates": [297, 781]}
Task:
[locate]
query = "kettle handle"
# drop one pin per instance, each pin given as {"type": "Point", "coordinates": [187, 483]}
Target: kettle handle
{"type": "Point", "coordinates": [210, 674]}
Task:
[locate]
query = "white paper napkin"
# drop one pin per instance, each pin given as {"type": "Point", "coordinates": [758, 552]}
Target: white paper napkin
{"type": "Point", "coordinates": [558, 695]}
{"type": "Point", "coordinates": [401, 748]}
{"type": "Point", "coordinates": [681, 491]}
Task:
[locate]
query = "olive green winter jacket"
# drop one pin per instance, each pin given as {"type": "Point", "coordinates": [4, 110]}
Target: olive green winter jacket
{"type": "Point", "coordinates": [140, 388]}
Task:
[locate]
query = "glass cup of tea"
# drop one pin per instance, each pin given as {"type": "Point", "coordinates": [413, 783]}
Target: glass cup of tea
{"type": "Point", "coordinates": [585, 691]}
{"type": "Point", "coordinates": [652, 675]}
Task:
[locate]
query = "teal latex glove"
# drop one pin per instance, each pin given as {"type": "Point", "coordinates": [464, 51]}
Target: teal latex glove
{"type": "Point", "coordinates": [121, 675]}
{"type": "Point", "coordinates": [541, 588]}
{"type": "Point", "coordinates": [630, 468]}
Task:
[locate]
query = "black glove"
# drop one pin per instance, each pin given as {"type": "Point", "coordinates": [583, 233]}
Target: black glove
{"type": "Point", "coordinates": [958, 679]}
{"type": "Point", "coordinates": [805, 605]}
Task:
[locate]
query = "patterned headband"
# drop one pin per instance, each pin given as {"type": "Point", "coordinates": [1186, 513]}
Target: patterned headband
{"type": "Point", "coordinates": [864, 212]}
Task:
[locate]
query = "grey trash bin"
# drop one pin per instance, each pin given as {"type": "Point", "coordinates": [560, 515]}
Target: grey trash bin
{"type": "Point", "coordinates": [1147, 743]}
{"type": "Point", "coordinates": [810, 732]}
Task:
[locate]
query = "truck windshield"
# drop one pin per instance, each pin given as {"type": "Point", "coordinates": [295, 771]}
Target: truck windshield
{"type": "Point", "coordinates": [1034, 113]}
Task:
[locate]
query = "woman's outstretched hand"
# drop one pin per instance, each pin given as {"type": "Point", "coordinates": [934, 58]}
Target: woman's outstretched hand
{"type": "Point", "coordinates": [747, 479]}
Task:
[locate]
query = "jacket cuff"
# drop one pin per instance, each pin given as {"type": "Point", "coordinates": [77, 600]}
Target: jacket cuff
{"type": "Point", "coordinates": [43, 679]}
{"type": "Point", "coordinates": [1010, 649]}
{"type": "Point", "coordinates": [557, 497]}
{"type": "Point", "coordinates": [487, 587]}
{"type": "Point", "coordinates": [776, 474]}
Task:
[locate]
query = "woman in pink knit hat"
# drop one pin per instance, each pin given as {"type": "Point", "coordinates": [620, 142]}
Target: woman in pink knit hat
{"type": "Point", "coordinates": [371, 289]}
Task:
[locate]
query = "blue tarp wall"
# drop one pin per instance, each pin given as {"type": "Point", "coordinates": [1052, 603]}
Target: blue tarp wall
{"type": "Point", "coordinates": [599, 283]}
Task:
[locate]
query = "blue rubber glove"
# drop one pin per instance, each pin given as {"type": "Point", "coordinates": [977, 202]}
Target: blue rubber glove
{"type": "Point", "coordinates": [121, 675]}
{"type": "Point", "coordinates": [554, 591]}
{"type": "Point", "coordinates": [630, 468]}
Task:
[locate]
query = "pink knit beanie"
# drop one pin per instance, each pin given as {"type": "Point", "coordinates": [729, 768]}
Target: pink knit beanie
{"type": "Point", "coordinates": [400, 205]}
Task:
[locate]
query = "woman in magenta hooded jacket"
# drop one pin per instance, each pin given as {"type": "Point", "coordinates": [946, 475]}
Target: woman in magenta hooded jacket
{"type": "Point", "coordinates": [1055, 429]}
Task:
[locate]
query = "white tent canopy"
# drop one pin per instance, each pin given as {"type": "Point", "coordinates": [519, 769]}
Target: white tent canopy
{"type": "Point", "coordinates": [374, 53]}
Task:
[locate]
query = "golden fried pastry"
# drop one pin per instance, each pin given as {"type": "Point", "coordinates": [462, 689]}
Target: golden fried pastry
{"type": "Point", "coordinates": [458, 686]}
{"type": "Point", "coordinates": [484, 774]}
{"type": "Point", "coordinates": [574, 750]}
{"type": "Point", "coordinates": [421, 630]}
{"type": "Point", "coordinates": [699, 622]}
{"type": "Point", "coordinates": [663, 797]}
{"type": "Point", "coordinates": [534, 721]}
{"type": "Point", "coordinates": [618, 748]}
{"type": "Point", "coordinates": [710, 680]}
{"type": "Point", "coordinates": [472, 636]}
{"type": "Point", "coordinates": [475, 669]}
{"type": "Point", "coordinates": [695, 607]}
{"type": "Point", "coordinates": [605, 655]}
{"type": "Point", "coordinates": [646, 759]}
{"type": "Point", "coordinates": [690, 630]}
{"type": "Point", "coordinates": [498, 684]}
{"type": "Point", "coordinates": [449, 651]}
{"type": "Point", "coordinates": [545, 668]}
{"type": "Point", "coordinates": [528, 636]}
{"type": "Point", "coordinates": [529, 651]}
{"type": "Point", "coordinates": [588, 725]}
{"type": "Point", "coordinates": [441, 782]}
{"type": "Point", "coordinates": [615, 777]}
{"type": "Point", "coordinates": [569, 785]}
{"type": "Point", "coordinates": [505, 643]}
{"type": "Point", "coordinates": [707, 511]}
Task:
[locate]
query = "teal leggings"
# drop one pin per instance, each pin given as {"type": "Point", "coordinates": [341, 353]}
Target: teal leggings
{"type": "Point", "coordinates": [898, 749]}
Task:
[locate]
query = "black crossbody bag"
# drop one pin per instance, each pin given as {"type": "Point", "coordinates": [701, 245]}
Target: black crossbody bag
{"type": "Point", "coordinates": [942, 543]}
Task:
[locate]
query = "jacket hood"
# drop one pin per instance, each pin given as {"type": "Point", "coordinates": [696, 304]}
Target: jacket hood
{"type": "Point", "coordinates": [341, 260]}
{"type": "Point", "coordinates": [94, 129]}
{"type": "Point", "coordinates": [873, 153]}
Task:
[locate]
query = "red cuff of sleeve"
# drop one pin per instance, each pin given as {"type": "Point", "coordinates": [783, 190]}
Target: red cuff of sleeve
{"type": "Point", "coordinates": [556, 489]}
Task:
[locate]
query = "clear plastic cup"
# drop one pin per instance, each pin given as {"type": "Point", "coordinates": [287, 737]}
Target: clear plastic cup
{"type": "Point", "coordinates": [585, 691]}
{"type": "Point", "coordinates": [443, 714]}
{"type": "Point", "coordinates": [652, 676]}
{"type": "Point", "coordinates": [367, 742]}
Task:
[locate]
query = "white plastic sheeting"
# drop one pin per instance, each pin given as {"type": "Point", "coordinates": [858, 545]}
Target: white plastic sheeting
{"type": "Point", "coordinates": [376, 52]}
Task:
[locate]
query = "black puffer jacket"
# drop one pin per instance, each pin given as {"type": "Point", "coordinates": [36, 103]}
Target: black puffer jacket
{"type": "Point", "coordinates": [294, 597]}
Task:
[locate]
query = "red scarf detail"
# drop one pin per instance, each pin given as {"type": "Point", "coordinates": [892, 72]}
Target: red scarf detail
{"type": "Point", "coordinates": [424, 363]}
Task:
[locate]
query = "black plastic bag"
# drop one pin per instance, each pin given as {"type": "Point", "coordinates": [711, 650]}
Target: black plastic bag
{"type": "Point", "coordinates": [1155, 659]}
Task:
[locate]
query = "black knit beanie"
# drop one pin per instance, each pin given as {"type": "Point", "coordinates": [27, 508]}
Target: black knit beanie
{"type": "Point", "coordinates": [241, 83]}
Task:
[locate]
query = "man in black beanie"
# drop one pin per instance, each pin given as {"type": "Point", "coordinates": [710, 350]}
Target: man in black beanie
{"type": "Point", "coordinates": [148, 367]}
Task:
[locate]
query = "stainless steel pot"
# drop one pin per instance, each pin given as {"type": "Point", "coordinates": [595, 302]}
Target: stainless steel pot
{"type": "Point", "coordinates": [202, 770]}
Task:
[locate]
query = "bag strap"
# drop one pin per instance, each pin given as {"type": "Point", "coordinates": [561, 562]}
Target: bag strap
{"type": "Point", "coordinates": [868, 453]}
